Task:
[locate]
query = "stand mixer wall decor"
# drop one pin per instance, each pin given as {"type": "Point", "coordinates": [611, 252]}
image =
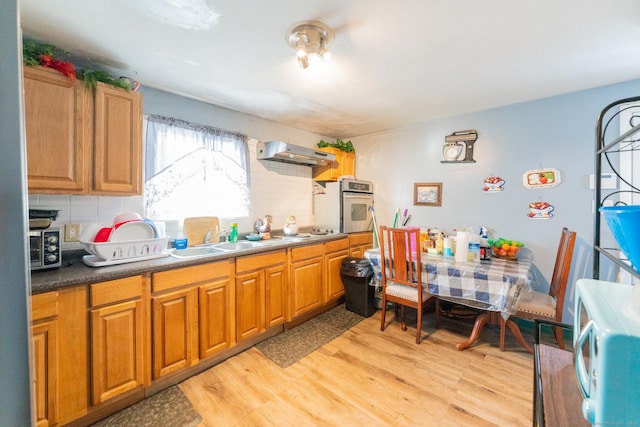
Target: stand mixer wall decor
{"type": "Point", "coordinates": [457, 143]}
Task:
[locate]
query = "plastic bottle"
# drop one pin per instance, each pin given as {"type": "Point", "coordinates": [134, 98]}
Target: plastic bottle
{"type": "Point", "coordinates": [233, 235]}
{"type": "Point", "coordinates": [462, 246]}
{"type": "Point", "coordinates": [439, 244]}
{"type": "Point", "coordinates": [449, 243]}
{"type": "Point", "coordinates": [181, 241]}
{"type": "Point", "coordinates": [474, 247]}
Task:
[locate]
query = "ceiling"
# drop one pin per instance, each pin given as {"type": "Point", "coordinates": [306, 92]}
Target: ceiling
{"type": "Point", "coordinates": [393, 64]}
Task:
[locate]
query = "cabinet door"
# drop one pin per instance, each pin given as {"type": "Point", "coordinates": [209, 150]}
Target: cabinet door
{"type": "Point", "coordinates": [345, 164]}
{"type": "Point", "coordinates": [333, 264]}
{"type": "Point", "coordinates": [116, 349]}
{"type": "Point", "coordinates": [275, 295]}
{"type": "Point", "coordinates": [56, 140]}
{"type": "Point", "coordinates": [45, 336]}
{"type": "Point", "coordinates": [117, 141]}
{"type": "Point", "coordinates": [249, 304]}
{"type": "Point", "coordinates": [305, 286]}
{"type": "Point", "coordinates": [359, 243]}
{"type": "Point", "coordinates": [215, 302]}
{"type": "Point", "coordinates": [175, 331]}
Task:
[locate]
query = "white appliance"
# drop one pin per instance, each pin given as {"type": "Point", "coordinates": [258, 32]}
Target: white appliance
{"type": "Point", "coordinates": [344, 206]}
{"type": "Point", "coordinates": [606, 341]}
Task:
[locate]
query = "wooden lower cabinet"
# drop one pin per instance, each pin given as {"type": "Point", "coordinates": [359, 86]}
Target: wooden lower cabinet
{"type": "Point", "coordinates": [359, 243]}
{"type": "Point", "coordinates": [44, 314]}
{"type": "Point", "coordinates": [117, 337]}
{"type": "Point", "coordinates": [192, 315]}
{"type": "Point", "coordinates": [334, 253]}
{"type": "Point", "coordinates": [306, 279]}
{"type": "Point", "coordinates": [175, 330]}
{"type": "Point", "coordinates": [261, 285]}
{"type": "Point", "coordinates": [216, 311]}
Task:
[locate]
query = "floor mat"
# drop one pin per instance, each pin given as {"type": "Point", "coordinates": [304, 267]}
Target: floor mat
{"type": "Point", "coordinates": [288, 347]}
{"type": "Point", "coordinates": [169, 407]}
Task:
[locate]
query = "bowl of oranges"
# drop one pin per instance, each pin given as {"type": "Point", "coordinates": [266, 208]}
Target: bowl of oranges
{"type": "Point", "coordinates": [506, 249]}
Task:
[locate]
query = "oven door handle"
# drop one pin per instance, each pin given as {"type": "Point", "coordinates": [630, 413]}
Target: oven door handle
{"type": "Point", "coordinates": [368, 196]}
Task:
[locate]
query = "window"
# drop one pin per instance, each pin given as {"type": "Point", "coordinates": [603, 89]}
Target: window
{"type": "Point", "coordinates": [194, 170]}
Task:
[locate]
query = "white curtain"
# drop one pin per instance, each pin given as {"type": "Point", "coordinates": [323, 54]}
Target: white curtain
{"type": "Point", "coordinates": [194, 170]}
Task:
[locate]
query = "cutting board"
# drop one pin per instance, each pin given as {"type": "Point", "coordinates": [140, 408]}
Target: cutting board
{"type": "Point", "coordinates": [196, 228]}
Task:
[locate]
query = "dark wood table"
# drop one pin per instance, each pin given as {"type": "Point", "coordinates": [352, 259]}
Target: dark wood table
{"type": "Point", "coordinates": [494, 286]}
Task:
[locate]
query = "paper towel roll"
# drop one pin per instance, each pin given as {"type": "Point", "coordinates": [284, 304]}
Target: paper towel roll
{"type": "Point", "coordinates": [462, 246]}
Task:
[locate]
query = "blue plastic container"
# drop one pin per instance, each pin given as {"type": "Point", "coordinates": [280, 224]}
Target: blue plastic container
{"type": "Point", "coordinates": [624, 223]}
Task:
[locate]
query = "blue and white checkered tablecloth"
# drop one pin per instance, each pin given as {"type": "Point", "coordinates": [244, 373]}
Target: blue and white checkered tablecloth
{"type": "Point", "coordinates": [494, 285]}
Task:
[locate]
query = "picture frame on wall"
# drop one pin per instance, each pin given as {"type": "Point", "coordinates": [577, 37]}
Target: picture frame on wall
{"type": "Point", "coordinates": [427, 194]}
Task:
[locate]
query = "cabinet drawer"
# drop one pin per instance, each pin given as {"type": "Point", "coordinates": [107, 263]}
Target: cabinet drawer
{"type": "Point", "coordinates": [361, 238]}
{"type": "Point", "coordinates": [116, 290]}
{"type": "Point", "coordinates": [44, 305]}
{"type": "Point", "coordinates": [254, 262]}
{"type": "Point", "coordinates": [191, 275]}
{"type": "Point", "coordinates": [306, 252]}
{"type": "Point", "coordinates": [336, 245]}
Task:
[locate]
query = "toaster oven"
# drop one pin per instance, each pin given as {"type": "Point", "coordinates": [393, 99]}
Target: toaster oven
{"type": "Point", "coordinates": [44, 248]}
{"type": "Point", "coordinates": [606, 344]}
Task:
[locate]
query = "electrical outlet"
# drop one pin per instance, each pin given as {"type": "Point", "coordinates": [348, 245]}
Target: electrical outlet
{"type": "Point", "coordinates": [71, 232]}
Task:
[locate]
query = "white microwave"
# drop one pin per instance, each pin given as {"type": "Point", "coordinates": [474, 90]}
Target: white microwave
{"type": "Point", "coordinates": [606, 344]}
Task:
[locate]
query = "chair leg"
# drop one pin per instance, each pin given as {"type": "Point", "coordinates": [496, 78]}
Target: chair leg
{"type": "Point", "coordinates": [384, 312]}
{"type": "Point", "coordinates": [503, 325]}
{"type": "Point", "coordinates": [559, 338]}
{"type": "Point", "coordinates": [419, 323]}
{"type": "Point", "coordinates": [403, 324]}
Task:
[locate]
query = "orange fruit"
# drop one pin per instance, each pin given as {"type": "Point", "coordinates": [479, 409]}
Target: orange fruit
{"type": "Point", "coordinates": [506, 246]}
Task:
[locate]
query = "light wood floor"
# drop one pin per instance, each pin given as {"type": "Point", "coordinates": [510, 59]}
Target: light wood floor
{"type": "Point", "coordinates": [371, 378]}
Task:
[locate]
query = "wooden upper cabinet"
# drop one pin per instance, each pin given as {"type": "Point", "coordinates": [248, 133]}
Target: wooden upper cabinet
{"type": "Point", "coordinates": [345, 164]}
{"type": "Point", "coordinates": [117, 140]}
{"type": "Point", "coordinates": [55, 132]}
{"type": "Point", "coordinates": [79, 140]}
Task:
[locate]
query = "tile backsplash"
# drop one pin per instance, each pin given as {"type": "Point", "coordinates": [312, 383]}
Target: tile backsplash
{"type": "Point", "coordinates": [277, 189]}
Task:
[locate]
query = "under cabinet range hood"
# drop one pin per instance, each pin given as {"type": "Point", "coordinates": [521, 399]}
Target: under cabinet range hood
{"type": "Point", "coordinates": [279, 151]}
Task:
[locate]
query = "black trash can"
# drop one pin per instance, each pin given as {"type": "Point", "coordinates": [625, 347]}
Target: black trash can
{"type": "Point", "coordinates": [356, 274]}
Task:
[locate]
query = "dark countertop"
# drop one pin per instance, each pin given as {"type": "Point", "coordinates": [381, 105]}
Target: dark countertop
{"type": "Point", "coordinates": [75, 272]}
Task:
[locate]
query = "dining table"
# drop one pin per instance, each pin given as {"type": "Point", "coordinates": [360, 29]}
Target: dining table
{"type": "Point", "coordinates": [493, 286]}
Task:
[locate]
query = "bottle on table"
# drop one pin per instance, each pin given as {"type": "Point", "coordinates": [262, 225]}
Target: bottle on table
{"type": "Point", "coordinates": [474, 246]}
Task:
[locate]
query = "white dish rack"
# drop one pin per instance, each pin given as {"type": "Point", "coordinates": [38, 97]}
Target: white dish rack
{"type": "Point", "coordinates": [112, 253]}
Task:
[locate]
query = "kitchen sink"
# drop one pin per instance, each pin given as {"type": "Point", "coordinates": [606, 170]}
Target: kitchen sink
{"type": "Point", "coordinates": [196, 251]}
{"type": "Point", "coordinates": [238, 246]}
{"type": "Point", "coordinates": [217, 248]}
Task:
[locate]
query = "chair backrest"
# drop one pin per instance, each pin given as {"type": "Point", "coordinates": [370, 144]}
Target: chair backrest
{"type": "Point", "coordinates": [398, 262]}
{"type": "Point", "coordinates": [562, 268]}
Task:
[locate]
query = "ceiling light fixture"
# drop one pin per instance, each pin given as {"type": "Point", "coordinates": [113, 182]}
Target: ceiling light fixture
{"type": "Point", "coordinates": [308, 38]}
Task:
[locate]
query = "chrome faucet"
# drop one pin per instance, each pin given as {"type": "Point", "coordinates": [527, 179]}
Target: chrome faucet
{"type": "Point", "coordinates": [208, 236]}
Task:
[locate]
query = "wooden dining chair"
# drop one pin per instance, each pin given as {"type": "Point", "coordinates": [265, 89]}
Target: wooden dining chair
{"type": "Point", "coordinates": [548, 306]}
{"type": "Point", "coordinates": [402, 275]}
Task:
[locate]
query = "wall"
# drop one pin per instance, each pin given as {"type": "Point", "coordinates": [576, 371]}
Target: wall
{"type": "Point", "coordinates": [15, 285]}
{"type": "Point", "coordinates": [278, 189]}
{"type": "Point", "coordinates": [556, 132]}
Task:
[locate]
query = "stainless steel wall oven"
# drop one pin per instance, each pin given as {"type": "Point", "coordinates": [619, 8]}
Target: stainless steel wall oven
{"type": "Point", "coordinates": [344, 206]}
